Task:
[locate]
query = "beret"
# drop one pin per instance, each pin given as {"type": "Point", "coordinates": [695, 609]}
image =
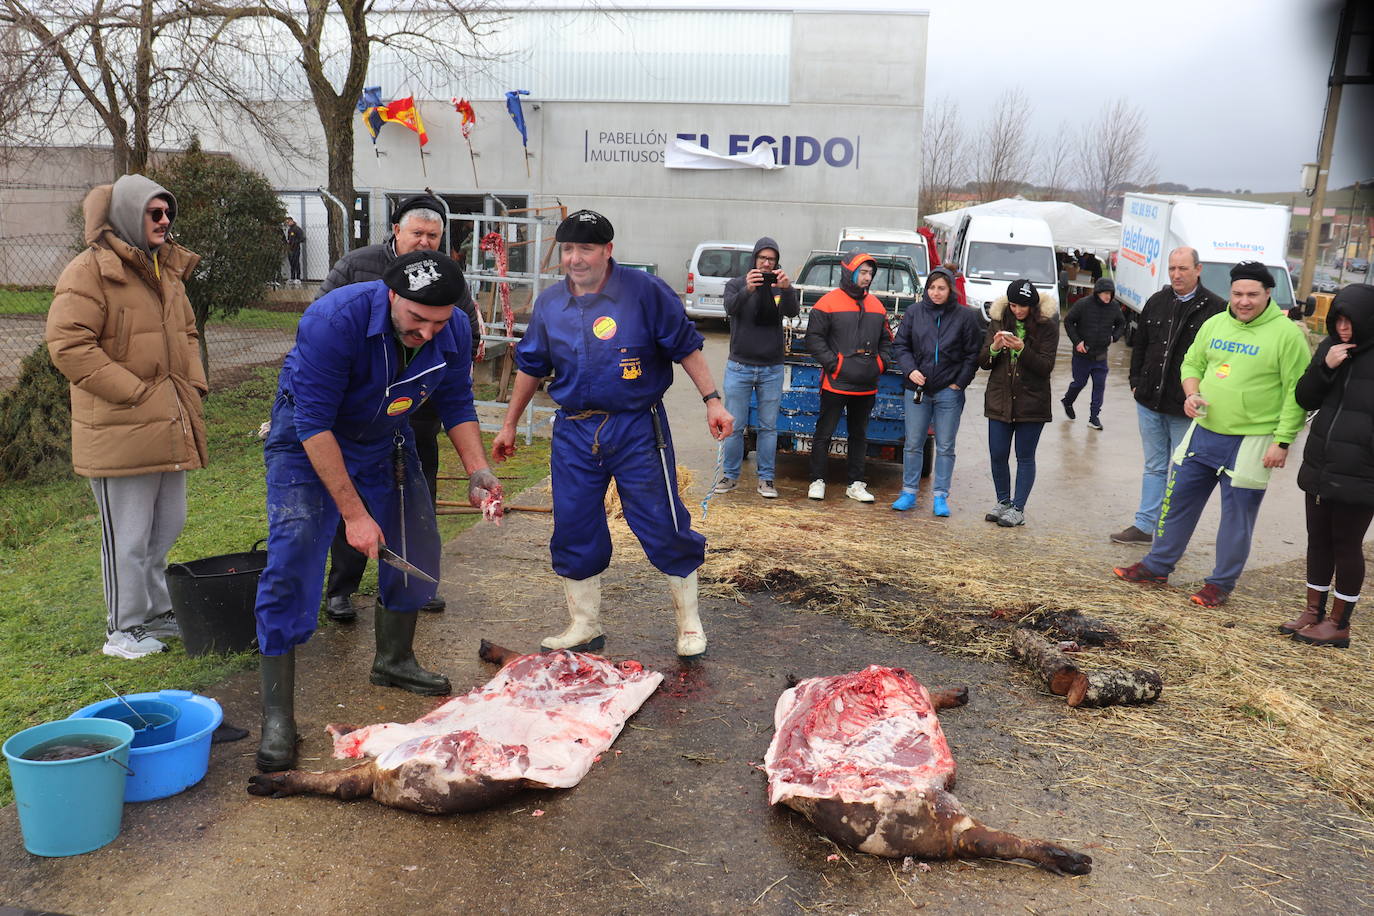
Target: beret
{"type": "Point", "coordinates": [425, 278]}
{"type": "Point", "coordinates": [585, 226]}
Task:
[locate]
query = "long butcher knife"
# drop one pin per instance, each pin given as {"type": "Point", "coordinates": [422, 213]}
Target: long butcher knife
{"type": "Point", "coordinates": [392, 558]}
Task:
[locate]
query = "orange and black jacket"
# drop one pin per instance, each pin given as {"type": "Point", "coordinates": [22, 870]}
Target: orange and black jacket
{"type": "Point", "coordinates": [848, 334]}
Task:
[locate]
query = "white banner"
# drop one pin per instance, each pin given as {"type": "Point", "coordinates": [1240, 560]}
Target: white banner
{"type": "Point", "coordinates": [680, 154]}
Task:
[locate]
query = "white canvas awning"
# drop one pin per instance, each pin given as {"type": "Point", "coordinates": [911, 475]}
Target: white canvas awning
{"type": "Point", "coordinates": [1070, 224]}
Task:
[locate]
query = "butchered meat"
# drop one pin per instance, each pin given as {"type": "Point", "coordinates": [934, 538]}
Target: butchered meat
{"type": "Point", "coordinates": [863, 757]}
{"type": "Point", "coordinates": [539, 723]}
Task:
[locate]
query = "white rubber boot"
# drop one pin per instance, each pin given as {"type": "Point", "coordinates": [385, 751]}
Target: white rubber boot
{"type": "Point", "coordinates": [691, 637]}
{"type": "Point", "coordinates": [584, 633]}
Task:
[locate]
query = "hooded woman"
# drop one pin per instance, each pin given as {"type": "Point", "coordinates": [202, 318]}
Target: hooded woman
{"type": "Point", "coordinates": [1020, 346]}
{"type": "Point", "coordinates": [1337, 472]}
{"type": "Point", "coordinates": [937, 347]}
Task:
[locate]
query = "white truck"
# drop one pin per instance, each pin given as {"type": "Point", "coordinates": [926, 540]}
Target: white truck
{"type": "Point", "coordinates": [904, 243]}
{"type": "Point", "coordinates": [1224, 232]}
{"type": "Point", "coordinates": [992, 250]}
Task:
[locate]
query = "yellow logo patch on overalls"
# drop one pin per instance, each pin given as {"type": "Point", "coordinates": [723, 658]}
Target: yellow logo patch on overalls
{"type": "Point", "coordinates": [630, 368]}
{"type": "Point", "coordinates": [604, 327]}
{"type": "Point", "coordinates": [398, 407]}
{"type": "Point", "coordinates": [1223, 370]}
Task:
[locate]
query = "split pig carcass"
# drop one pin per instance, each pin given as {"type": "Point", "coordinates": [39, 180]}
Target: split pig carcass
{"type": "Point", "coordinates": [539, 723]}
{"type": "Point", "coordinates": [863, 758]}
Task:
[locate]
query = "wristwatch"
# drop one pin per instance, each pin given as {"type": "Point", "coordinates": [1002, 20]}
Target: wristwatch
{"type": "Point", "coordinates": [1283, 445]}
{"type": "Point", "coordinates": [713, 394]}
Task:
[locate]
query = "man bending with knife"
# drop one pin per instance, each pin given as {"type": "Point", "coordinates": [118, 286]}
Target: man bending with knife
{"type": "Point", "coordinates": [609, 337]}
{"type": "Point", "coordinates": [366, 356]}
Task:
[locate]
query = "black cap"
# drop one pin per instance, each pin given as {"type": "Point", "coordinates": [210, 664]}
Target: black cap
{"type": "Point", "coordinates": [425, 278]}
{"type": "Point", "coordinates": [585, 226]}
{"type": "Point", "coordinates": [417, 202]}
{"type": "Point", "coordinates": [1023, 292]}
{"type": "Point", "coordinates": [1253, 270]}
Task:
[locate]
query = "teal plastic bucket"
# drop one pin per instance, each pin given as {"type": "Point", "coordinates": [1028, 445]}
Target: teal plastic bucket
{"type": "Point", "coordinates": [67, 807]}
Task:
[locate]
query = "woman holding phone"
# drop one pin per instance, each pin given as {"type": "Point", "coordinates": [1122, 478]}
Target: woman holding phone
{"type": "Point", "coordinates": [1019, 347]}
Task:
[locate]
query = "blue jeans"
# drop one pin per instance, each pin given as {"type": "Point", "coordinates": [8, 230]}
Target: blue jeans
{"type": "Point", "coordinates": [1160, 434]}
{"type": "Point", "coordinates": [1000, 438]}
{"type": "Point", "coordinates": [946, 406]}
{"type": "Point", "coordinates": [1189, 488]}
{"type": "Point", "coordinates": [765, 383]}
{"type": "Point", "coordinates": [1083, 368]}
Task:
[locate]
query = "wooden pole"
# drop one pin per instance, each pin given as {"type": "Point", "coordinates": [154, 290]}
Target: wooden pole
{"type": "Point", "coordinates": [473, 156]}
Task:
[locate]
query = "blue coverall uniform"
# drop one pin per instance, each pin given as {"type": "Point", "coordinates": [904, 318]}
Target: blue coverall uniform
{"type": "Point", "coordinates": [611, 354]}
{"type": "Point", "coordinates": [346, 374]}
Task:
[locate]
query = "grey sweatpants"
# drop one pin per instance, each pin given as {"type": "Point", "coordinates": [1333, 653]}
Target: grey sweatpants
{"type": "Point", "coordinates": [140, 519]}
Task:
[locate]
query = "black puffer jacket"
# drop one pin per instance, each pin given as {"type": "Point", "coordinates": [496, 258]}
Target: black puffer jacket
{"type": "Point", "coordinates": [362, 265]}
{"type": "Point", "coordinates": [941, 341]}
{"type": "Point", "coordinates": [1164, 332]}
{"type": "Point", "coordinates": [1094, 323]}
{"type": "Point", "coordinates": [848, 334]}
{"type": "Point", "coordinates": [1338, 462]}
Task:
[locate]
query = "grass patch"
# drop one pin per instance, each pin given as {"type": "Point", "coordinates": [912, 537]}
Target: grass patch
{"type": "Point", "coordinates": [258, 320]}
{"type": "Point", "coordinates": [25, 301]}
{"type": "Point", "coordinates": [50, 587]}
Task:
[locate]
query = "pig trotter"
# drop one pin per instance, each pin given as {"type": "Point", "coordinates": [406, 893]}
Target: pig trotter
{"type": "Point", "coordinates": [948, 697]}
{"type": "Point", "coordinates": [345, 785]}
{"type": "Point", "coordinates": [979, 841]}
{"type": "Point", "coordinates": [496, 655]}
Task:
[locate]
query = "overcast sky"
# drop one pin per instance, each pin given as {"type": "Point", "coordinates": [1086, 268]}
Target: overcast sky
{"type": "Point", "coordinates": [1234, 92]}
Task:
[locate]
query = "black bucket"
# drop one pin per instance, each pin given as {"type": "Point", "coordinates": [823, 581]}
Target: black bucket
{"type": "Point", "coordinates": [213, 601]}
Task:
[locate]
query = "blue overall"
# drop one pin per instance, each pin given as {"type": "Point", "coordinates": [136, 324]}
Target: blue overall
{"type": "Point", "coordinates": [345, 375]}
{"type": "Point", "coordinates": [611, 354]}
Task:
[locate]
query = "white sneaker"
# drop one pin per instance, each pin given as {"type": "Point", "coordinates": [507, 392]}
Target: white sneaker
{"type": "Point", "coordinates": [857, 490]}
{"type": "Point", "coordinates": [817, 490]}
{"type": "Point", "coordinates": [163, 626]}
{"type": "Point", "coordinates": [132, 643]}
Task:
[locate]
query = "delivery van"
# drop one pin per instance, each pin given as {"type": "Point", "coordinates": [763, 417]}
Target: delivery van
{"type": "Point", "coordinates": [901, 242]}
{"type": "Point", "coordinates": [1224, 232]}
{"type": "Point", "coordinates": [993, 250]}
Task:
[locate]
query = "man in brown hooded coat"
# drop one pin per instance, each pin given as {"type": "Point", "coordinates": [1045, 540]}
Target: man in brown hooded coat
{"type": "Point", "coordinates": [121, 330]}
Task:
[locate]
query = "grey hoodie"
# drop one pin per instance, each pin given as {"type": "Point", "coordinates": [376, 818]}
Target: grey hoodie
{"type": "Point", "coordinates": [129, 203]}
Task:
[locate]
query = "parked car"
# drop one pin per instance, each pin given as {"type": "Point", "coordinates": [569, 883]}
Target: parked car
{"type": "Point", "coordinates": [1359, 265]}
{"type": "Point", "coordinates": [711, 265]}
{"type": "Point", "coordinates": [1325, 285]}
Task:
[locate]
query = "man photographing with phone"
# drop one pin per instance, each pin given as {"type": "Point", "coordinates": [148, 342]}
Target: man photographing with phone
{"type": "Point", "coordinates": [756, 303]}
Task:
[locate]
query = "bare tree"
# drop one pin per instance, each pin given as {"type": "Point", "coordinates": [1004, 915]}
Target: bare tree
{"type": "Point", "coordinates": [1002, 155]}
{"type": "Point", "coordinates": [127, 72]}
{"type": "Point", "coordinates": [944, 155]}
{"type": "Point", "coordinates": [1056, 162]}
{"type": "Point", "coordinates": [1111, 153]}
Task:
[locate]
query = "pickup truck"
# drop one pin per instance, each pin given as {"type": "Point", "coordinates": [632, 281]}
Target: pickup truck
{"type": "Point", "coordinates": [897, 285]}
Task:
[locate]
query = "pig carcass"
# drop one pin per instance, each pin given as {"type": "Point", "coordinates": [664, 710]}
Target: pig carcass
{"type": "Point", "coordinates": [539, 723]}
{"type": "Point", "coordinates": [863, 758]}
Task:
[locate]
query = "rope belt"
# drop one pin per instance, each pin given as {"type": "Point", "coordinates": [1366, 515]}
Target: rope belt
{"type": "Point", "coordinates": [587, 414]}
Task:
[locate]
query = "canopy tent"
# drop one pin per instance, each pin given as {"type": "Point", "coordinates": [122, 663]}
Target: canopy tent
{"type": "Point", "coordinates": [1071, 225]}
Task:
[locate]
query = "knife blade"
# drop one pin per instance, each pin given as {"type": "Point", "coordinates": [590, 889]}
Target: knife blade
{"type": "Point", "coordinates": [392, 558]}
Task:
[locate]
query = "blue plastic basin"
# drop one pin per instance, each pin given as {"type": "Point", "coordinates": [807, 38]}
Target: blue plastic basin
{"type": "Point", "coordinates": [153, 721]}
{"type": "Point", "coordinates": [67, 807]}
{"type": "Point", "coordinates": [160, 770]}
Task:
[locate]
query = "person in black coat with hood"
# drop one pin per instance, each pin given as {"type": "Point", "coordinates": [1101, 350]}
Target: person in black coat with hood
{"type": "Point", "coordinates": [1337, 472]}
{"type": "Point", "coordinates": [1093, 324]}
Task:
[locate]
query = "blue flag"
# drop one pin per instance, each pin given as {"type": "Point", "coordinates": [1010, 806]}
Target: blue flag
{"type": "Point", "coordinates": [517, 114]}
{"type": "Point", "coordinates": [370, 104]}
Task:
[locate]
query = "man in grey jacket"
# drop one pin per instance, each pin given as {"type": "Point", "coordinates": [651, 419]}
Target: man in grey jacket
{"type": "Point", "coordinates": [417, 224]}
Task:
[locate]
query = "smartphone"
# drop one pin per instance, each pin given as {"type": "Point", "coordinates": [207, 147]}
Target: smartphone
{"type": "Point", "coordinates": [769, 276]}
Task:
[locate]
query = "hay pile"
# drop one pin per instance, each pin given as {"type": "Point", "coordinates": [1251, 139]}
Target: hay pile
{"type": "Point", "coordinates": [1234, 689]}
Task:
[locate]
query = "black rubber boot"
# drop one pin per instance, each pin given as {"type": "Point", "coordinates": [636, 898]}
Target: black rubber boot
{"type": "Point", "coordinates": [278, 748]}
{"type": "Point", "coordinates": [395, 664]}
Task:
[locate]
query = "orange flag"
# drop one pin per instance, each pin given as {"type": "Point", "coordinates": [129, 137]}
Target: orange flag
{"type": "Point", "coordinates": [404, 112]}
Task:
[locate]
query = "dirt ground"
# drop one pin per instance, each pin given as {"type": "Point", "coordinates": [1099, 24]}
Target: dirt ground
{"type": "Point", "coordinates": [675, 817]}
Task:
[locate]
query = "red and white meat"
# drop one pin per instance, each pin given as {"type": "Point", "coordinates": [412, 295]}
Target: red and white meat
{"type": "Point", "coordinates": [540, 723]}
{"type": "Point", "coordinates": [863, 757]}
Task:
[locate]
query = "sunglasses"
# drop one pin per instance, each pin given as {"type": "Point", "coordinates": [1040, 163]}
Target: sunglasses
{"type": "Point", "coordinates": [157, 213]}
